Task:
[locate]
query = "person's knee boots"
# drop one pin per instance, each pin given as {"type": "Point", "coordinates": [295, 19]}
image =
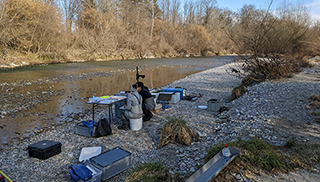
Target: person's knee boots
{"type": "Point", "coordinates": [147, 116]}
{"type": "Point", "coordinates": [125, 125]}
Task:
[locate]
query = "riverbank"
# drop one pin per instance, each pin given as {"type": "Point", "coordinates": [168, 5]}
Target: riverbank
{"type": "Point", "coordinates": [11, 62]}
{"type": "Point", "coordinates": [267, 111]}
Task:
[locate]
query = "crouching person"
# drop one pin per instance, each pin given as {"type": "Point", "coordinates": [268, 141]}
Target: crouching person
{"type": "Point", "coordinates": [148, 103]}
{"type": "Point", "coordinates": [133, 109]}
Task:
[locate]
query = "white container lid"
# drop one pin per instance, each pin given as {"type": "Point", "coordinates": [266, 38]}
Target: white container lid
{"type": "Point", "coordinates": [88, 152]}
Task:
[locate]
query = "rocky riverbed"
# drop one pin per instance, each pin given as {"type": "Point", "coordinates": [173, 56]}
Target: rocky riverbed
{"type": "Point", "coordinates": [272, 111]}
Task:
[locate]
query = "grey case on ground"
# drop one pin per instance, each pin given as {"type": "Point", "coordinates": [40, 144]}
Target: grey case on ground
{"type": "Point", "coordinates": [85, 131]}
{"type": "Point", "coordinates": [112, 162]}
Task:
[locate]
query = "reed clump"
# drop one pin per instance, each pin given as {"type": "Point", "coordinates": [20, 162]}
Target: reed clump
{"type": "Point", "coordinates": [176, 131]}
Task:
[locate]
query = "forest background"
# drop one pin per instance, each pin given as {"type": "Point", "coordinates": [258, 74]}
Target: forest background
{"type": "Point", "coordinates": [51, 31]}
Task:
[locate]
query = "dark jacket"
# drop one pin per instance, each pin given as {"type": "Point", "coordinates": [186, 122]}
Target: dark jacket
{"type": "Point", "coordinates": [147, 99]}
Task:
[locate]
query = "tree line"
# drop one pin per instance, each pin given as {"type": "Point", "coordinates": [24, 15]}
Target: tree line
{"type": "Point", "coordinates": [120, 29]}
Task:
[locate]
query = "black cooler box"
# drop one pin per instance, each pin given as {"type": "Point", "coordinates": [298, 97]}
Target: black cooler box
{"type": "Point", "coordinates": [44, 149]}
{"type": "Point", "coordinates": [112, 162]}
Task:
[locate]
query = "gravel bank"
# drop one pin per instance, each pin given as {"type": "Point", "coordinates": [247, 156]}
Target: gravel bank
{"type": "Point", "coordinates": [273, 111]}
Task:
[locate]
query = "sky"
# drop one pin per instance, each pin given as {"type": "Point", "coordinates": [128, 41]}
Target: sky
{"type": "Point", "coordinates": [235, 5]}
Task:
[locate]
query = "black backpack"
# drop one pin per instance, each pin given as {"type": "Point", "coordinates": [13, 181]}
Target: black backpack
{"type": "Point", "coordinates": [104, 127]}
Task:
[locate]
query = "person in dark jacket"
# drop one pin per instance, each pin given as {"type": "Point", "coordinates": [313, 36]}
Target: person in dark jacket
{"type": "Point", "coordinates": [148, 103]}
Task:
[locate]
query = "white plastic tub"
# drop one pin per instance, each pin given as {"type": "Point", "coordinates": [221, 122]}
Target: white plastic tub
{"type": "Point", "coordinates": [136, 124]}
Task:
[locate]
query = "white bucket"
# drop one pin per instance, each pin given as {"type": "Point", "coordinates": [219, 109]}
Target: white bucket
{"type": "Point", "coordinates": [136, 124]}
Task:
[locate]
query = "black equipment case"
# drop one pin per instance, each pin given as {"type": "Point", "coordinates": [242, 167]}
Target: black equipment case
{"type": "Point", "coordinates": [44, 149]}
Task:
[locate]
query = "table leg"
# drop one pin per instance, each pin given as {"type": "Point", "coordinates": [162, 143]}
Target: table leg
{"type": "Point", "coordinates": [112, 111]}
{"type": "Point", "coordinates": [93, 112]}
{"type": "Point", "coordinates": [110, 105]}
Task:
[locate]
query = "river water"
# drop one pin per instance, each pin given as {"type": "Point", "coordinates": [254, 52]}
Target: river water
{"type": "Point", "coordinates": [39, 97]}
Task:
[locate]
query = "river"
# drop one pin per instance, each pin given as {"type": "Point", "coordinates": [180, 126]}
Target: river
{"type": "Point", "coordinates": [36, 98]}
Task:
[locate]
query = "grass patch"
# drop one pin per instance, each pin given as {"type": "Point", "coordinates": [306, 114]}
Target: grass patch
{"type": "Point", "coordinates": [314, 97]}
{"type": "Point", "coordinates": [254, 153]}
{"type": "Point", "coordinates": [257, 155]}
{"type": "Point", "coordinates": [290, 143]}
{"type": "Point", "coordinates": [176, 131]}
{"type": "Point", "coordinates": [149, 172]}
{"type": "Point", "coordinates": [315, 106]}
{"type": "Point", "coordinates": [314, 113]}
{"type": "Point", "coordinates": [238, 91]}
{"type": "Point", "coordinates": [315, 101]}
{"type": "Point", "coordinates": [304, 155]}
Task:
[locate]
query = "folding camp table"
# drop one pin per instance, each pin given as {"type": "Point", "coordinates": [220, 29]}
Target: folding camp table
{"type": "Point", "coordinates": [109, 102]}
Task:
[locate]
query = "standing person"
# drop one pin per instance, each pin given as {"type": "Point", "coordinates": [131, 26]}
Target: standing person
{"type": "Point", "coordinates": [148, 103]}
{"type": "Point", "coordinates": [133, 109]}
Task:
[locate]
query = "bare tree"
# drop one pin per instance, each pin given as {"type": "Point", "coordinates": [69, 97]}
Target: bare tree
{"type": "Point", "coordinates": [70, 9]}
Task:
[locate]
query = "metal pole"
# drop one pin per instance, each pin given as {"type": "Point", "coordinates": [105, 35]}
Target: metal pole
{"type": "Point", "coordinates": [137, 74]}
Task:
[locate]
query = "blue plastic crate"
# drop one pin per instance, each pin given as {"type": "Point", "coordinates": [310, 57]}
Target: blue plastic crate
{"type": "Point", "coordinates": [174, 90]}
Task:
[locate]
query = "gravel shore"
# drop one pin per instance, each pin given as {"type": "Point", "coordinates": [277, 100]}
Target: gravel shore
{"type": "Point", "coordinates": [272, 111]}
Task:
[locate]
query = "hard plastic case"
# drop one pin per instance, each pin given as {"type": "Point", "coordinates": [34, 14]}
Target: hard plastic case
{"type": "Point", "coordinates": [112, 162]}
{"type": "Point", "coordinates": [83, 130]}
{"type": "Point", "coordinates": [44, 149]}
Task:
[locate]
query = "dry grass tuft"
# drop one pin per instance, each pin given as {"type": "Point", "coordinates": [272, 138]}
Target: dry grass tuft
{"type": "Point", "coordinates": [273, 66]}
{"type": "Point", "coordinates": [314, 97]}
{"type": "Point", "coordinates": [238, 91]}
{"type": "Point", "coordinates": [314, 113]}
{"type": "Point", "coordinates": [314, 106]}
{"type": "Point", "coordinates": [176, 131]}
